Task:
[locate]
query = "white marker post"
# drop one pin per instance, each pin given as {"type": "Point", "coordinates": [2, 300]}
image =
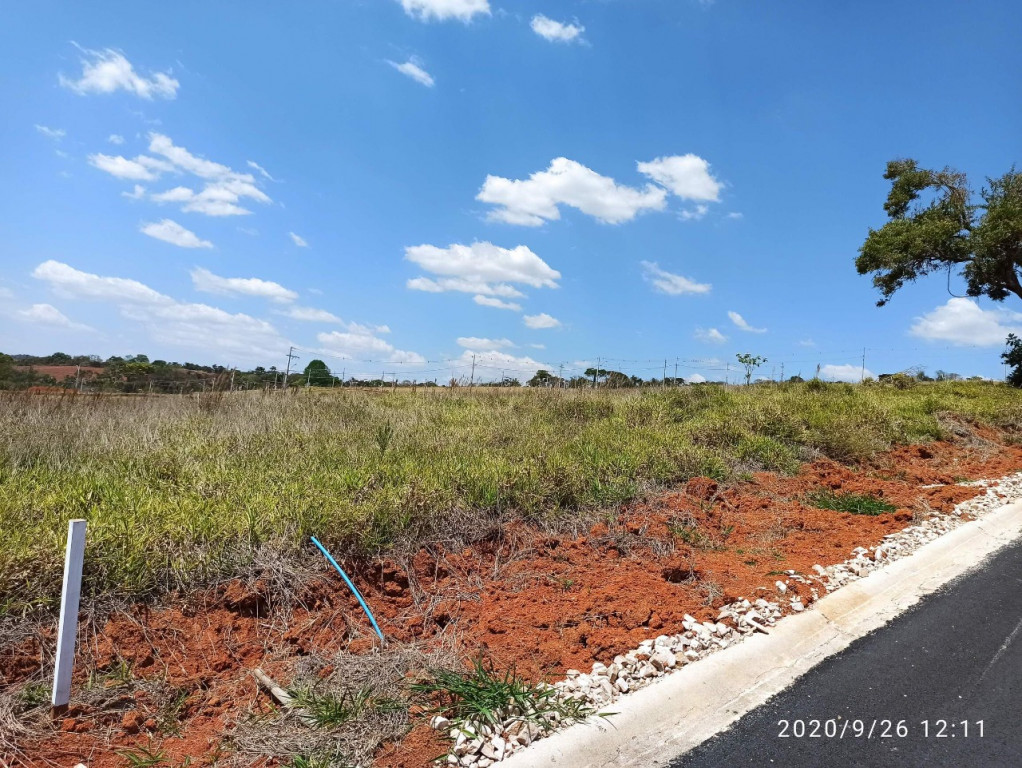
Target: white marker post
{"type": "Point", "coordinates": [67, 630]}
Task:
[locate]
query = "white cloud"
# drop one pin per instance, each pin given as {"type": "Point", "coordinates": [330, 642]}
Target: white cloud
{"type": "Point", "coordinates": [440, 10]}
{"type": "Point", "coordinates": [207, 282]}
{"type": "Point", "coordinates": [556, 31]}
{"type": "Point", "coordinates": [107, 71]}
{"type": "Point", "coordinates": [6, 293]}
{"type": "Point", "coordinates": [734, 215]}
{"type": "Point", "coordinates": [136, 194]}
{"type": "Point", "coordinates": [413, 69]}
{"type": "Point", "coordinates": [489, 301]}
{"type": "Point", "coordinates": [170, 231]}
{"type": "Point", "coordinates": [115, 138]}
{"type": "Point", "coordinates": [142, 168]}
{"type": "Point", "coordinates": [538, 346]}
{"type": "Point", "coordinates": [262, 171]}
{"type": "Point", "coordinates": [206, 328]}
{"type": "Point", "coordinates": [670, 283]}
{"type": "Point", "coordinates": [70, 282]}
{"type": "Point", "coordinates": [362, 343]}
{"type": "Point", "coordinates": [47, 314]}
{"type": "Point", "coordinates": [695, 378]}
{"type": "Point", "coordinates": [542, 320]}
{"type": "Point", "coordinates": [686, 176]}
{"type": "Point", "coordinates": [481, 268]}
{"type": "Point", "coordinates": [311, 315]}
{"type": "Point", "coordinates": [963, 322]}
{"type": "Point", "coordinates": [490, 365]}
{"type": "Point", "coordinates": [298, 240]}
{"type": "Point", "coordinates": [182, 158]}
{"type": "Point", "coordinates": [533, 201]}
{"type": "Point", "coordinates": [481, 344]}
{"type": "Point", "coordinates": [462, 285]}
{"type": "Point", "coordinates": [224, 186]}
{"type": "Point", "coordinates": [849, 373]}
{"type": "Point", "coordinates": [710, 335]}
{"type": "Point", "coordinates": [807, 343]}
{"type": "Point", "coordinates": [51, 133]}
{"type": "Point", "coordinates": [740, 323]}
{"type": "Point", "coordinates": [196, 327]}
{"type": "Point", "coordinates": [695, 214]}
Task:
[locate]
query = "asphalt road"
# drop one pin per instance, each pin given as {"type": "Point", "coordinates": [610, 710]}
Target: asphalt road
{"type": "Point", "coordinates": [957, 656]}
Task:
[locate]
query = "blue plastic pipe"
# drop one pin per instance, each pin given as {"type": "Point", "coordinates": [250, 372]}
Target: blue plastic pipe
{"type": "Point", "coordinates": [352, 586]}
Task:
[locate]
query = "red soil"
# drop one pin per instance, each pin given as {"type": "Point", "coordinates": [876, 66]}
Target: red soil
{"type": "Point", "coordinates": [541, 602]}
{"type": "Point", "coordinates": [61, 372]}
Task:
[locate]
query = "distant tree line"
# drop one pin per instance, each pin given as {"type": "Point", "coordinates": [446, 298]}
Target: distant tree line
{"type": "Point", "coordinates": [139, 374]}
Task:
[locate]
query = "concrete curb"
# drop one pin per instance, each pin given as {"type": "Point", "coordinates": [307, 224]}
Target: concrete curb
{"type": "Point", "coordinates": [657, 724]}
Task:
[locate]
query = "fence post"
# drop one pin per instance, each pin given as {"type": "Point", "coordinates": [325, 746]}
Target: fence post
{"type": "Point", "coordinates": [67, 629]}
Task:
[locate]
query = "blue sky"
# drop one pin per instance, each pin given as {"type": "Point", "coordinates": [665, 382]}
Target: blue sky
{"type": "Point", "coordinates": [395, 185]}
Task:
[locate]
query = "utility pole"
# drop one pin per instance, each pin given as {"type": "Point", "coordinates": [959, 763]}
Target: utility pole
{"type": "Point", "coordinates": [560, 375]}
{"type": "Point", "coordinates": [290, 355]}
{"type": "Point", "coordinates": [78, 379]}
{"type": "Point", "coordinates": [232, 378]}
{"type": "Point", "coordinates": [862, 376]}
{"type": "Point", "coordinates": [596, 372]}
{"type": "Point", "coordinates": [782, 371]}
{"type": "Point", "coordinates": [665, 373]}
{"type": "Point", "coordinates": [727, 373]}
{"type": "Point", "coordinates": [343, 379]}
{"type": "Point", "coordinates": [675, 371]}
{"type": "Point", "coordinates": [472, 381]}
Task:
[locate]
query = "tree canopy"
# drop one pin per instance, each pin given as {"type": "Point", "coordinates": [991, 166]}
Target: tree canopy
{"type": "Point", "coordinates": [317, 374]}
{"type": "Point", "coordinates": [750, 363]}
{"type": "Point", "coordinates": [1012, 356]}
{"type": "Point", "coordinates": [937, 223]}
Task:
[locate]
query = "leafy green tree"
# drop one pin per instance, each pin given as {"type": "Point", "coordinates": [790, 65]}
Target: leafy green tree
{"type": "Point", "coordinates": [936, 223]}
{"type": "Point", "coordinates": [750, 363]}
{"type": "Point", "coordinates": [1013, 357]}
{"type": "Point", "coordinates": [317, 374]}
{"type": "Point", "coordinates": [6, 370]}
{"type": "Point", "coordinates": [542, 378]}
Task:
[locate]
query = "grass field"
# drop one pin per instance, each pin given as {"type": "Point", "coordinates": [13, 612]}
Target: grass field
{"type": "Point", "coordinates": [183, 491]}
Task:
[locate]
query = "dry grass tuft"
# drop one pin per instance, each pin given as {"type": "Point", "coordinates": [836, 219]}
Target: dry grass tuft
{"type": "Point", "coordinates": [358, 702]}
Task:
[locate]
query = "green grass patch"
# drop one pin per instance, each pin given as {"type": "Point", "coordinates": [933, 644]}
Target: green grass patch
{"type": "Point", "coordinates": [330, 710]}
{"type": "Point", "coordinates": [850, 502]}
{"type": "Point", "coordinates": [484, 696]}
{"type": "Point", "coordinates": [182, 491]}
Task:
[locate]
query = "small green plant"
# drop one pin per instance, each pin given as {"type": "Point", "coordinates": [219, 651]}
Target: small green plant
{"type": "Point", "coordinates": [850, 502]}
{"type": "Point", "coordinates": [313, 761]}
{"type": "Point", "coordinates": [119, 675]}
{"type": "Point", "coordinates": [328, 710]}
{"type": "Point", "coordinates": [563, 582]}
{"type": "Point", "coordinates": [384, 434]}
{"type": "Point", "coordinates": [143, 757]}
{"type": "Point", "coordinates": [484, 696]}
{"type": "Point", "coordinates": [169, 721]}
{"type": "Point", "coordinates": [33, 695]}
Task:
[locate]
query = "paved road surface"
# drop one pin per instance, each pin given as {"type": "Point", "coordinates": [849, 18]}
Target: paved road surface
{"type": "Point", "coordinates": [956, 656]}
